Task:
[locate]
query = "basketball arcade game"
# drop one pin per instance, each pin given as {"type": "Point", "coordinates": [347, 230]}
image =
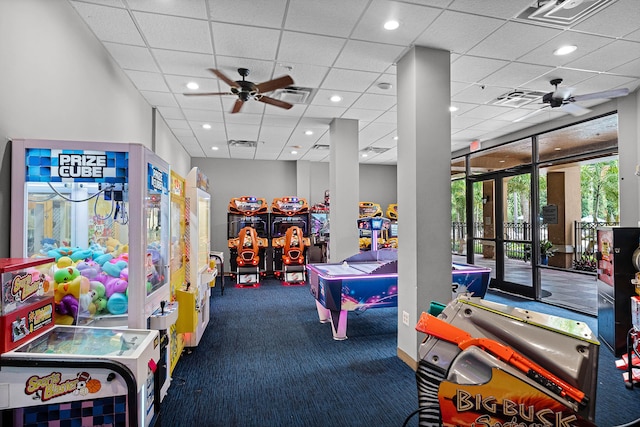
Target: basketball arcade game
{"type": "Point", "coordinates": [248, 234]}
{"type": "Point", "coordinates": [290, 226]}
{"type": "Point", "coordinates": [370, 210]}
{"type": "Point", "coordinates": [103, 215]}
{"type": "Point", "coordinates": [320, 232]}
{"type": "Point", "coordinates": [392, 238]}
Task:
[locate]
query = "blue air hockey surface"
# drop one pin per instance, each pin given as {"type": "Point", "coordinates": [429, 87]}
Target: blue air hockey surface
{"type": "Point", "coordinates": [370, 280]}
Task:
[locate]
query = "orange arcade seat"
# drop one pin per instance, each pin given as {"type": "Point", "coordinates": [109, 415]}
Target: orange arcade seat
{"type": "Point", "coordinates": [293, 249]}
{"type": "Point", "coordinates": [250, 251]}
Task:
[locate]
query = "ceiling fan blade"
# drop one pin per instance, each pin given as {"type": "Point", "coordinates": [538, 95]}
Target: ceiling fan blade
{"type": "Point", "coordinates": [223, 77]}
{"type": "Point", "coordinates": [616, 93]}
{"type": "Point", "coordinates": [574, 109]}
{"type": "Point", "coordinates": [274, 84]}
{"type": "Point", "coordinates": [562, 93]}
{"type": "Point", "coordinates": [275, 102]}
{"type": "Point", "coordinates": [237, 106]}
{"type": "Point", "coordinates": [207, 93]}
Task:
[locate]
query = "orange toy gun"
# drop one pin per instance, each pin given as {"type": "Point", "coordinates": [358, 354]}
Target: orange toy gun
{"type": "Point", "coordinates": [440, 329]}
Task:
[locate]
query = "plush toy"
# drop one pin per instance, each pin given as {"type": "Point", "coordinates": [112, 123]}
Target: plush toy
{"type": "Point", "coordinates": [117, 303]}
{"type": "Point", "coordinates": [89, 268]}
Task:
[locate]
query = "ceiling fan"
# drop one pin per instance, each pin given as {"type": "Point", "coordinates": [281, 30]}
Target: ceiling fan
{"type": "Point", "coordinates": [563, 98]}
{"type": "Point", "coordinates": [246, 90]}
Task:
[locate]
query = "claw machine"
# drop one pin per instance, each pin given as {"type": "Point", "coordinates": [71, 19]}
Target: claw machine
{"type": "Point", "coordinates": [178, 260]}
{"type": "Point", "coordinates": [101, 211]}
{"type": "Point", "coordinates": [193, 297]}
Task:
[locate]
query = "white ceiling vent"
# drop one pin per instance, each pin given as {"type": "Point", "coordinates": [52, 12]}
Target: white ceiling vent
{"type": "Point", "coordinates": [242, 143]}
{"type": "Point", "coordinates": [320, 147]}
{"type": "Point", "coordinates": [294, 94]}
{"type": "Point", "coordinates": [374, 150]}
{"type": "Point", "coordinates": [562, 12]}
{"type": "Point", "coordinates": [518, 98]}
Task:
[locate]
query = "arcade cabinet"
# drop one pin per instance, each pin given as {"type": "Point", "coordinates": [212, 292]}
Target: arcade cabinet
{"type": "Point", "coordinates": [248, 234]}
{"type": "Point", "coordinates": [373, 232]}
{"type": "Point", "coordinates": [320, 230]}
{"type": "Point", "coordinates": [392, 214]}
{"type": "Point", "coordinates": [484, 363]}
{"type": "Point", "coordinates": [290, 221]}
{"type": "Point", "coordinates": [193, 295]}
{"type": "Point", "coordinates": [368, 210]}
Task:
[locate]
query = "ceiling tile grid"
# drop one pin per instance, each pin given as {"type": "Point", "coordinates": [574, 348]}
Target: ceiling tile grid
{"type": "Point", "coordinates": [335, 47]}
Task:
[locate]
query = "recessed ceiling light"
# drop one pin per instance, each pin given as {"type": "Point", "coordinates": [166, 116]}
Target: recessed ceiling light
{"type": "Point", "coordinates": [395, 138]}
{"type": "Point", "coordinates": [391, 25]}
{"type": "Point", "coordinates": [565, 50]}
{"type": "Point", "coordinates": [294, 152]}
{"type": "Point", "coordinates": [206, 126]}
{"type": "Point", "coordinates": [335, 98]}
{"type": "Point", "coordinates": [308, 132]}
{"type": "Point", "coordinates": [193, 85]}
{"type": "Point", "coordinates": [214, 148]}
{"type": "Point", "coordinates": [453, 108]}
{"type": "Point", "coordinates": [365, 155]}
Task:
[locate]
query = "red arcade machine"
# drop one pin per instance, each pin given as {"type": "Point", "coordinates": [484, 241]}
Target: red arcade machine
{"type": "Point", "coordinates": [248, 234]}
{"type": "Point", "coordinates": [290, 221]}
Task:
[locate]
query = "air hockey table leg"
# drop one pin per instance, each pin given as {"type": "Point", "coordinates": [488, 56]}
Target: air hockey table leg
{"type": "Point", "coordinates": [339, 324]}
{"type": "Point", "coordinates": [323, 313]}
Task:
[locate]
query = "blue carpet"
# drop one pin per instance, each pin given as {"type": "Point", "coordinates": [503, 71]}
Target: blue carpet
{"type": "Point", "coordinates": [265, 360]}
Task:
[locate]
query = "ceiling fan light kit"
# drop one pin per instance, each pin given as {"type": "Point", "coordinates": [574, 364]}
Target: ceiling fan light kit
{"type": "Point", "coordinates": [246, 90]}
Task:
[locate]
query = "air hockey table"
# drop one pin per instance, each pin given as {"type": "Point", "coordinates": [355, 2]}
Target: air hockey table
{"type": "Point", "coordinates": [370, 280]}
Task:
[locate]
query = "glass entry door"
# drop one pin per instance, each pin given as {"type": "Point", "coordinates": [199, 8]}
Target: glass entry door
{"type": "Point", "coordinates": [503, 230]}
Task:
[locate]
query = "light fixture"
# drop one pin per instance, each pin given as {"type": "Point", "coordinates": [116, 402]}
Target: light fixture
{"type": "Point", "coordinates": [565, 50]}
{"type": "Point", "coordinates": [391, 25]}
{"type": "Point", "coordinates": [308, 132]}
{"type": "Point", "coordinates": [294, 152]}
{"type": "Point", "coordinates": [206, 126]}
{"type": "Point", "coordinates": [214, 148]}
{"type": "Point", "coordinates": [365, 155]}
{"type": "Point", "coordinates": [557, 149]}
{"type": "Point", "coordinates": [335, 98]}
{"type": "Point", "coordinates": [395, 138]}
{"type": "Point", "coordinates": [193, 85]}
{"type": "Point", "coordinates": [485, 200]}
{"type": "Point", "coordinates": [452, 109]}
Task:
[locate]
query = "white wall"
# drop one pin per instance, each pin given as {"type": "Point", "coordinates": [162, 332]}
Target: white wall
{"type": "Point", "coordinates": [58, 82]}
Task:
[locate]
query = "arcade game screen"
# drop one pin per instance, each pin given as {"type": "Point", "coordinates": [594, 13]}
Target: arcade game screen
{"type": "Point", "coordinates": [238, 222]}
{"type": "Point", "coordinates": [280, 225]}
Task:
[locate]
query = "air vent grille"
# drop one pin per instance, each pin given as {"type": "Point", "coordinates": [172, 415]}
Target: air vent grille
{"type": "Point", "coordinates": [375, 150]}
{"type": "Point", "coordinates": [320, 147]}
{"type": "Point", "coordinates": [242, 143]}
{"type": "Point", "coordinates": [518, 98]}
{"type": "Point", "coordinates": [564, 13]}
{"type": "Point", "coordinates": [295, 94]}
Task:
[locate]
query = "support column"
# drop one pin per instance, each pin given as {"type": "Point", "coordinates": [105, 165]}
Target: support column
{"type": "Point", "coordinates": [344, 186]}
{"type": "Point", "coordinates": [424, 190]}
{"type": "Point", "coordinates": [629, 159]}
{"type": "Point", "coordinates": [303, 180]}
{"type": "Point", "coordinates": [563, 191]}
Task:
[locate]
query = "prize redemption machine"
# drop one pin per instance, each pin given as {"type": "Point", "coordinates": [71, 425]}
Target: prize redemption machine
{"type": "Point", "coordinates": [290, 220]}
{"type": "Point", "coordinates": [103, 216]}
{"type": "Point", "coordinates": [178, 261]}
{"type": "Point", "coordinates": [488, 364]}
{"type": "Point", "coordinates": [370, 210]}
{"type": "Point", "coordinates": [320, 230]}
{"type": "Point", "coordinates": [193, 297]}
{"type": "Point", "coordinates": [248, 234]}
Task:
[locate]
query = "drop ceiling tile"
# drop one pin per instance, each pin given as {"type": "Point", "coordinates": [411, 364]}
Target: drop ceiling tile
{"type": "Point", "coordinates": [490, 125]}
{"type": "Point", "coordinates": [184, 63]}
{"type": "Point", "coordinates": [586, 44]}
{"type": "Point", "coordinates": [601, 82]}
{"type": "Point", "coordinates": [374, 132]}
{"type": "Point", "coordinates": [207, 116]}
{"type": "Point", "coordinates": [384, 78]}
{"type": "Point", "coordinates": [191, 8]}
{"type": "Point", "coordinates": [485, 112]}
{"type": "Point", "coordinates": [459, 122]}
{"type": "Point", "coordinates": [178, 84]}
{"type": "Point", "coordinates": [303, 75]}
{"type": "Point", "coordinates": [110, 24]}
{"type": "Point", "coordinates": [508, 42]}
{"type": "Point", "coordinates": [175, 33]}
{"type": "Point", "coordinates": [353, 80]}
{"type": "Point", "coordinates": [148, 81]}
{"type": "Point", "coordinates": [113, 3]}
{"type": "Point", "coordinates": [371, 101]}
{"type": "Point", "coordinates": [160, 99]}
{"type": "Point", "coordinates": [329, 17]}
{"type": "Point", "coordinates": [182, 132]}
{"type": "Point", "coordinates": [362, 114]}
{"type": "Point", "coordinates": [616, 53]}
{"type": "Point", "coordinates": [631, 69]}
{"type": "Point", "coordinates": [360, 55]}
{"type": "Point", "coordinates": [132, 57]}
{"type": "Point", "coordinates": [259, 70]}
{"type": "Point", "coordinates": [476, 94]}
{"type": "Point", "coordinates": [570, 78]}
{"type": "Point", "coordinates": [199, 102]}
{"type": "Point", "coordinates": [270, 120]}
{"type": "Point", "coordinates": [249, 12]}
{"type": "Point", "coordinates": [244, 117]}
{"type": "Point", "coordinates": [309, 49]}
{"type": "Point", "coordinates": [616, 20]}
{"type": "Point", "coordinates": [413, 20]}
{"type": "Point", "coordinates": [178, 124]}
{"type": "Point", "coordinates": [323, 96]}
{"type": "Point", "coordinates": [516, 75]}
{"type": "Point", "coordinates": [472, 69]}
{"type": "Point", "coordinates": [458, 32]}
{"type": "Point", "coordinates": [210, 137]}
{"type": "Point", "coordinates": [170, 113]}
{"type": "Point", "coordinates": [496, 8]}
{"type": "Point", "coordinates": [275, 134]}
{"type": "Point", "coordinates": [324, 112]}
{"type": "Point", "coordinates": [246, 42]}
{"type": "Point", "coordinates": [633, 36]}
{"type": "Point", "coordinates": [388, 117]}
{"type": "Point", "coordinates": [245, 132]}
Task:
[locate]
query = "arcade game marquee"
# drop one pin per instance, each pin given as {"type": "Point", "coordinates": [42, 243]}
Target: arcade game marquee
{"type": "Point", "coordinates": [290, 223]}
{"type": "Point", "coordinates": [248, 239]}
{"type": "Point", "coordinates": [103, 216]}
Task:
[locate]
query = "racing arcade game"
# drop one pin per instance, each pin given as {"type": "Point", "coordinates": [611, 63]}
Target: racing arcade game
{"type": "Point", "coordinates": [290, 220]}
{"type": "Point", "coordinates": [248, 239]}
